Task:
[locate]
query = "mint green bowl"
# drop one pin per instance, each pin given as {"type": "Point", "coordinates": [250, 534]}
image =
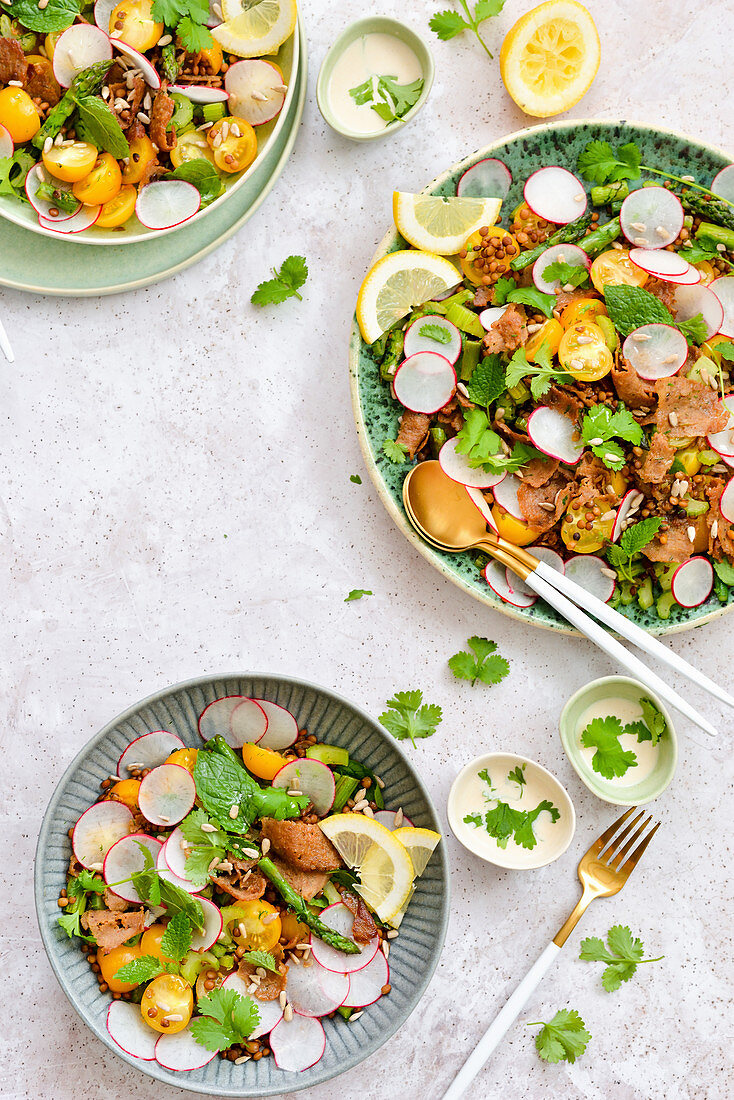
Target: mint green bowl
{"type": "Point", "coordinates": [647, 789]}
{"type": "Point", "coordinates": [373, 24]}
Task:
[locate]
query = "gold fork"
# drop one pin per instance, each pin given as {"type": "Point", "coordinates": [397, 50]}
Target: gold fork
{"type": "Point", "coordinates": [603, 871]}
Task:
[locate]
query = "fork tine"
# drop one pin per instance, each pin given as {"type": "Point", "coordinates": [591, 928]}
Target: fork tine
{"type": "Point", "coordinates": [616, 858]}
{"type": "Point", "coordinates": [607, 835]}
{"type": "Point", "coordinates": [618, 840]}
{"type": "Point", "coordinates": [628, 867]}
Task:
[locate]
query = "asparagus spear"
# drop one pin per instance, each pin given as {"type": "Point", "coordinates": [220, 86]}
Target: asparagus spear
{"type": "Point", "coordinates": [711, 210]}
{"type": "Point", "coordinates": [294, 900]}
{"type": "Point", "coordinates": [567, 234]}
{"type": "Point", "coordinates": [717, 233]}
{"type": "Point", "coordinates": [610, 192]}
{"type": "Point", "coordinates": [87, 82]}
{"type": "Point", "coordinates": [393, 352]}
{"type": "Point", "coordinates": [602, 237]}
{"type": "Point", "coordinates": [170, 64]}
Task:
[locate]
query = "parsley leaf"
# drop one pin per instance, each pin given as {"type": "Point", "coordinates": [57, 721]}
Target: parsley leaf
{"type": "Point", "coordinates": [541, 373]}
{"type": "Point", "coordinates": [487, 381]}
{"type": "Point", "coordinates": [394, 451]}
{"type": "Point", "coordinates": [517, 775]}
{"type": "Point", "coordinates": [261, 958]}
{"type": "Point", "coordinates": [610, 759]}
{"type": "Point", "coordinates": [140, 970]}
{"type": "Point", "coordinates": [176, 940]}
{"type": "Point", "coordinates": [566, 274]}
{"type": "Point", "coordinates": [633, 540]}
{"type": "Point", "coordinates": [563, 1038]}
{"type": "Point", "coordinates": [435, 332]}
{"type": "Point", "coordinates": [286, 284]}
{"type": "Point", "coordinates": [98, 125]}
{"type": "Point", "coordinates": [226, 1018]}
{"type": "Point", "coordinates": [598, 162]}
{"type": "Point", "coordinates": [56, 16]}
{"type": "Point", "coordinates": [482, 664]}
{"type": "Point", "coordinates": [409, 716]}
{"type": "Point", "coordinates": [357, 594]}
{"type": "Point", "coordinates": [447, 24]}
{"type": "Point", "coordinates": [654, 719]}
{"type": "Point", "coordinates": [623, 954]}
{"type": "Point", "coordinates": [195, 36]}
{"type": "Point", "coordinates": [601, 424]}
{"type": "Point", "coordinates": [506, 291]}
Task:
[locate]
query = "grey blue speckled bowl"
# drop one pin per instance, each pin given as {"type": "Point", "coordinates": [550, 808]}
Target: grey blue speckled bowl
{"type": "Point", "coordinates": [376, 412]}
{"type": "Point", "coordinates": [414, 955]}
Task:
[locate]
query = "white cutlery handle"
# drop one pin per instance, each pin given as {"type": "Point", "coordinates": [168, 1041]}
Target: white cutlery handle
{"type": "Point", "coordinates": [501, 1023]}
{"type": "Point", "coordinates": [629, 630]}
{"type": "Point", "coordinates": [615, 649]}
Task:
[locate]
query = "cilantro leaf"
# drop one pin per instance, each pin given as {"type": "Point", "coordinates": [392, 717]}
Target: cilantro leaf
{"type": "Point", "coordinates": [362, 93]}
{"type": "Point", "coordinates": [261, 958]}
{"type": "Point", "coordinates": [56, 16]}
{"type": "Point", "coordinates": [168, 11]}
{"type": "Point", "coordinates": [563, 1038]}
{"type": "Point", "coordinates": [503, 821]}
{"type": "Point", "coordinates": [601, 425]}
{"type": "Point", "coordinates": [155, 890]}
{"type": "Point", "coordinates": [487, 381]}
{"type": "Point", "coordinates": [634, 539]}
{"type": "Point", "coordinates": [483, 446]}
{"type": "Point", "coordinates": [566, 274]}
{"type": "Point", "coordinates": [524, 834]}
{"type": "Point", "coordinates": [694, 329]}
{"type": "Point", "coordinates": [70, 921]}
{"type": "Point", "coordinates": [517, 775]}
{"type": "Point", "coordinates": [482, 664]}
{"type": "Point", "coordinates": [86, 882]}
{"type": "Point", "coordinates": [654, 719]}
{"type": "Point", "coordinates": [395, 99]}
{"type": "Point", "coordinates": [194, 35]}
{"type": "Point", "coordinates": [357, 594]}
{"type": "Point", "coordinates": [394, 451]}
{"type": "Point", "coordinates": [408, 716]}
{"type": "Point", "coordinates": [541, 373]}
{"type": "Point", "coordinates": [501, 289]}
{"type": "Point", "coordinates": [622, 955]}
{"type": "Point", "coordinates": [98, 125]}
{"type": "Point", "coordinates": [286, 284]}
{"type": "Point", "coordinates": [140, 970]}
{"type": "Point", "coordinates": [598, 163]}
{"type": "Point", "coordinates": [447, 24]}
{"type": "Point", "coordinates": [176, 940]}
{"type": "Point", "coordinates": [226, 1018]}
{"type": "Point", "coordinates": [610, 759]}
{"type": "Point", "coordinates": [206, 842]}
{"type": "Point", "coordinates": [435, 332]}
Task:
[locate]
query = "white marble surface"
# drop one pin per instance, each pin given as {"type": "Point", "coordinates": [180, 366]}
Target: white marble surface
{"type": "Point", "coordinates": [176, 500]}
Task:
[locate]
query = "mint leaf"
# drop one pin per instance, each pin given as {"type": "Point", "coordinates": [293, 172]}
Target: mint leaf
{"type": "Point", "coordinates": [203, 175]}
{"type": "Point", "coordinates": [56, 16]}
{"type": "Point", "coordinates": [140, 970]}
{"type": "Point", "coordinates": [487, 382]}
{"type": "Point", "coordinates": [630, 307]}
{"type": "Point", "coordinates": [176, 940]}
{"type": "Point", "coordinates": [286, 284]}
{"type": "Point", "coordinates": [98, 125]}
{"type": "Point", "coordinates": [261, 958]}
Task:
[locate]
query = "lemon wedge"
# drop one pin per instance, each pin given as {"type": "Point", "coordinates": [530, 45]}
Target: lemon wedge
{"type": "Point", "coordinates": [255, 29]}
{"type": "Point", "coordinates": [396, 284]}
{"type": "Point", "coordinates": [550, 57]}
{"type": "Point", "coordinates": [438, 224]}
{"type": "Point", "coordinates": [420, 843]}
{"type": "Point", "coordinates": [383, 863]}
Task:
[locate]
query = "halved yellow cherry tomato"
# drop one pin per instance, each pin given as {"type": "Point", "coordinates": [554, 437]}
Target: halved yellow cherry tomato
{"type": "Point", "coordinates": [583, 352]}
{"type": "Point", "coordinates": [550, 333]}
{"type": "Point", "coordinates": [142, 152]}
{"type": "Point", "coordinates": [514, 530]}
{"type": "Point", "coordinates": [111, 961]}
{"type": "Point", "coordinates": [119, 209]}
{"type": "Point", "coordinates": [211, 57]}
{"type": "Point", "coordinates": [706, 271]}
{"type": "Point", "coordinates": [185, 757]}
{"type": "Point", "coordinates": [71, 163]}
{"type": "Point", "coordinates": [132, 22]}
{"type": "Point", "coordinates": [615, 268]}
{"type": "Point", "coordinates": [473, 274]}
{"type": "Point", "coordinates": [49, 43]}
{"type": "Point", "coordinates": [126, 791]}
{"type": "Point", "coordinates": [259, 934]}
{"type": "Point", "coordinates": [151, 942]}
{"type": "Point", "coordinates": [523, 220]}
{"type": "Point", "coordinates": [167, 1004]}
{"type": "Point", "coordinates": [618, 482]}
{"type": "Point", "coordinates": [584, 532]}
{"type": "Point", "coordinates": [191, 146]}
{"type": "Point", "coordinates": [18, 114]}
{"type": "Point", "coordinates": [292, 930]}
{"type": "Point", "coordinates": [101, 184]}
{"type": "Point", "coordinates": [264, 763]}
{"type": "Point", "coordinates": [238, 149]}
{"type": "Point", "coordinates": [503, 243]}
{"type": "Point", "coordinates": [583, 309]}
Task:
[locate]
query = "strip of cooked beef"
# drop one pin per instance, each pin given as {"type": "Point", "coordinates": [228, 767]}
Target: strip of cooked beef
{"type": "Point", "coordinates": [41, 84]}
{"type": "Point", "coordinates": [687, 407]}
{"type": "Point", "coordinates": [13, 65]}
{"type": "Point", "coordinates": [657, 461]}
{"type": "Point", "coordinates": [115, 904]}
{"type": "Point", "coordinates": [302, 846]}
{"type": "Point", "coordinates": [592, 478]}
{"type": "Point", "coordinates": [509, 332]}
{"type": "Point", "coordinates": [633, 390]}
{"type": "Point", "coordinates": [161, 114]}
{"type": "Point", "coordinates": [413, 431]}
{"type": "Point", "coordinates": [242, 881]}
{"type": "Point", "coordinates": [677, 545]}
{"type": "Point", "coordinates": [112, 929]}
{"type": "Point", "coordinates": [451, 416]}
{"type": "Point", "coordinates": [565, 297]}
{"type": "Point", "coordinates": [664, 292]}
{"type": "Point", "coordinates": [364, 928]}
{"type": "Point", "coordinates": [539, 471]}
{"type": "Point", "coordinates": [270, 986]}
{"type": "Point", "coordinates": [307, 883]}
{"type": "Point", "coordinates": [563, 401]}
{"type": "Point", "coordinates": [554, 494]}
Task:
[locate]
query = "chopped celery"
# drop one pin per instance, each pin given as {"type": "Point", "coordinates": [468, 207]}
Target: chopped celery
{"type": "Point", "coordinates": [346, 785]}
{"type": "Point", "coordinates": [644, 594]}
{"type": "Point", "coordinates": [438, 438]}
{"type": "Point", "coordinates": [328, 754]}
{"type": "Point", "coordinates": [519, 393]}
{"type": "Point", "coordinates": [665, 574]}
{"type": "Point", "coordinates": [183, 114]}
{"type": "Point", "coordinates": [703, 363]}
{"type": "Point", "coordinates": [345, 1012]}
{"type": "Point", "coordinates": [470, 353]}
{"type": "Point", "coordinates": [611, 338]}
{"type": "Point", "coordinates": [463, 318]}
{"type": "Point", "coordinates": [708, 458]}
{"type": "Point", "coordinates": [460, 298]}
{"type": "Point", "coordinates": [626, 596]}
{"type": "Point", "coordinates": [212, 112]}
{"type": "Point", "coordinates": [194, 963]}
{"type": "Point", "coordinates": [665, 605]}
{"type": "Point", "coordinates": [331, 893]}
{"type": "Point", "coordinates": [696, 507]}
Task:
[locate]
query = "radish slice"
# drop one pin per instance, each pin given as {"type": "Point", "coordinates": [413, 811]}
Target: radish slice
{"type": "Point", "coordinates": [150, 76]}
{"type": "Point", "coordinates": [651, 217]}
{"type": "Point", "coordinates": [33, 181]}
{"type": "Point", "coordinates": [444, 294]}
{"type": "Point", "coordinates": [99, 827]}
{"type": "Point", "coordinates": [125, 859]}
{"type": "Point", "coordinates": [216, 720]}
{"type": "Point", "coordinates": [656, 351]}
{"type": "Point", "coordinates": [518, 587]}
{"type": "Point", "coordinates": [77, 223]}
{"type": "Point", "coordinates": [567, 254]}
{"type": "Point", "coordinates": [726, 501]}
{"type": "Point", "coordinates": [128, 1029]}
{"type": "Point", "coordinates": [387, 818]}
{"type": "Point", "coordinates": [315, 991]}
{"type": "Point", "coordinates": [487, 179]}
{"type": "Point", "coordinates": [479, 501]}
{"type": "Point", "coordinates": [256, 89]}
{"type": "Point", "coordinates": [339, 918]}
{"type": "Point", "coordinates": [175, 850]}
{"type": "Point", "coordinates": [456, 466]}
{"type": "Point", "coordinates": [77, 48]}
{"type": "Point", "coordinates": [425, 382]}
{"type": "Point", "coordinates": [723, 289]}
{"type": "Point", "coordinates": [148, 751]}
{"type": "Point", "coordinates": [270, 1011]}
{"type": "Point", "coordinates": [692, 582]}
{"type": "Point", "coordinates": [282, 730]}
{"type": "Point", "coordinates": [494, 575]}
{"type": "Point", "coordinates": [665, 265]}
{"type": "Point", "coordinates": [552, 433]}
{"type": "Point", "coordinates": [416, 341]}
{"type": "Point", "coordinates": [167, 203]}
{"type": "Point", "coordinates": [365, 986]}
{"type": "Point", "coordinates": [6, 143]}
{"type": "Point", "coordinates": [631, 500]}
{"type": "Point", "coordinates": [723, 183]}
{"type": "Point", "coordinates": [103, 10]}
{"type": "Point", "coordinates": [167, 794]}
{"type": "Point", "coordinates": [297, 1044]}
{"type": "Point", "coordinates": [590, 572]}
{"type": "Point", "coordinates": [213, 925]}
{"type": "Point", "coordinates": [689, 301]}
{"type": "Point", "coordinates": [182, 1052]}
{"type": "Point", "coordinates": [723, 442]}
{"type": "Point", "coordinates": [505, 494]}
{"type": "Point", "coordinates": [312, 778]}
{"type": "Point", "coordinates": [248, 724]}
{"type": "Point", "coordinates": [197, 93]}
{"type": "Point", "coordinates": [491, 315]}
{"type": "Point", "coordinates": [164, 871]}
{"type": "Point", "coordinates": [550, 557]}
{"type": "Point", "coordinates": [555, 194]}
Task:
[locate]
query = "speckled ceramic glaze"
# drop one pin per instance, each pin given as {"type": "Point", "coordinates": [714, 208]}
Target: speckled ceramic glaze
{"type": "Point", "coordinates": [413, 956]}
{"type": "Point", "coordinates": [377, 413]}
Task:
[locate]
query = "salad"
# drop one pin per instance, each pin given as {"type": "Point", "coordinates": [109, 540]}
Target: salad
{"type": "Point", "coordinates": [577, 379]}
{"type": "Point", "coordinates": [137, 109]}
{"type": "Point", "coordinates": [228, 897]}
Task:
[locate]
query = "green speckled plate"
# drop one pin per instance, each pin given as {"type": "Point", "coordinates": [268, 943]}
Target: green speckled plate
{"type": "Point", "coordinates": [377, 414]}
{"type": "Point", "coordinates": [413, 956]}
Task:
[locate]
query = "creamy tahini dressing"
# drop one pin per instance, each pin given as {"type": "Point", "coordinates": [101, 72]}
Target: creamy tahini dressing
{"type": "Point", "coordinates": [372, 55]}
{"type": "Point", "coordinates": [627, 710]}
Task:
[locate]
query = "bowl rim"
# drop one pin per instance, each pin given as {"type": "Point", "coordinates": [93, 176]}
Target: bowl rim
{"type": "Point", "coordinates": [355, 345]}
{"type": "Point", "coordinates": [151, 1069]}
{"type": "Point", "coordinates": [483, 758]}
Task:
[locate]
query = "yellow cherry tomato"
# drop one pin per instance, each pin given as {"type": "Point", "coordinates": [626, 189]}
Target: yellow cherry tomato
{"type": "Point", "coordinates": [615, 268]}
{"type": "Point", "coordinates": [111, 961]}
{"type": "Point", "coordinates": [689, 460]}
{"type": "Point", "coordinates": [191, 146]}
{"type": "Point", "coordinates": [523, 220]}
{"type": "Point", "coordinates": [550, 333]}
{"type": "Point", "coordinates": [712, 346]}
{"type": "Point", "coordinates": [151, 942]}
{"type": "Point", "coordinates": [18, 114]}
{"type": "Point", "coordinates": [474, 274]}
{"type": "Point", "coordinates": [167, 1004]}
{"type": "Point", "coordinates": [211, 58]}
{"type": "Point", "coordinates": [513, 530]}
{"type": "Point", "coordinates": [502, 247]}
{"type": "Point", "coordinates": [583, 309]}
{"type": "Point", "coordinates": [584, 532]}
{"type": "Point", "coordinates": [292, 930]}
{"type": "Point", "coordinates": [101, 184]}
{"type": "Point", "coordinates": [264, 763]}
{"type": "Point", "coordinates": [132, 22]}
{"type": "Point", "coordinates": [126, 791]}
{"type": "Point", "coordinates": [70, 163]}
{"type": "Point", "coordinates": [49, 43]}
{"type": "Point", "coordinates": [185, 757]}
{"type": "Point", "coordinates": [119, 209]}
{"type": "Point", "coordinates": [706, 271]}
{"type": "Point", "coordinates": [142, 152]}
{"type": "Point", "coordinates": [259, 935]}
{"type": "Point", "coordinates": [583, 352]}
{"type": "Point", "coordinates": [238, 149]}
{"type": "Point", "coordinates": [618, 482]}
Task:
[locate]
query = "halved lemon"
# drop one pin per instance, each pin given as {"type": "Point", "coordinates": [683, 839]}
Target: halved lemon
{"type": "Point", "coordinates": [253, 29]}
{"type": "Point", "coordinates": [438, 224]}
{"type": "Point", "coordinates": [550, 57]}
{"type": "Point", "coordinates": [420, 844]}
{"type": "Point", "coordinates": [396, 284]}
{"type": "Point", "coordinates": [383, 863]}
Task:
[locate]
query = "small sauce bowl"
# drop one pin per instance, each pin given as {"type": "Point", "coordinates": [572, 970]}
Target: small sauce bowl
{"type": "Point", "coordinates": [374, 24]}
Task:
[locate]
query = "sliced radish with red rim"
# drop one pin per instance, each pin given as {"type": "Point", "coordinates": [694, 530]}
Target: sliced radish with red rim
{"type": "Point", "coordinates": [311, 778]}
{"type": "Point", "coordinates": [150, 75]}
{"type": "Point", "coordinates": [726, 501]}
{"type": "Point", "coordinates": [270, 1011]}
{"type": "Point", "coordinates": [365, 986]}
{"type": "Point", "coordinates": [175, 850]}
{"type": "Point", "coordinates": [670, 266]}
{"type": "Point", "coordinates": [124, 859]}
{"type": "Point", "coordinates": [505, 494]}
{"type": "Point", "coordinates": [723, 289]}
{"type": "Point", "coordinates": [487, 179]}
{"type": "Point", "coordinates": [77, 48]}
{"type": "Point", "coordinates": [651, 217]}
{"type": "Point", "coordinates": [482, 504]}
{"type": "Point", "coordinates": [689, 301]}
{"type": "Point", "coordinates": [416, 341]}
{"type": "Point", "coordinates": [103, 10]}
{"type": "Point", "coordinates": [199, 93]}
{"type": "Point", "coordinates": [565, 253]}
{"type": "Point", "coordinates": [84, 218]}
{"type": "Point", "coordinates": [315, 991]}
{"type": "Point", "coordinates": [218, 720]}
{"type": "Point", "coordinates": [723, 442]}
{"type": "Point", "coordinates": [6, 142]}
{"type": "Point", "coordinates": [548, 557]}
{"type": "Point", "coordinates": [148, 751]}
{"type": "Point", "coordinates": [282, 731]}
{"type": "Point", "coordinates": [491, 315]}
{"type": "Point", "coordinates": [182, 1052]}
{"type": "Point", "coordinates": [425, 382]}
{"type": "Point", "coordinates": [99, 827]}
{"type": "Point", "coordinates": [630, 501]}
{"type": "Point", "coordinates": [656, 351]}
{"type": "Point", "coordinates": [692, 582]}
{"type": "Point", "coordinates": [496, 578]}
{"type": "Point", "coordinates": [555, 194]}
{"type": "Point", "coordinates": [590, 573]}
{"type": "Point", "coordinates": [456, 466]}
{"type": "Point", "coordinates": [128, 1029]}
{"type": "Point", "coordinates": [167, 203]}
{"type": "Point", "coordinates": [256, 89]}
{"type": "Point", "coordinates": [213, 925]}
{"type": "Point", "coordinates": [387, 818]}
{"type": "Point", "coordinates": [723, 183]}
{"type": "Point", "coordinates": [553, 434]}
{"type": "Point", "coordinates": [35, 178]}
{"type": "Point", "coordinates": [297, 1044]}
{"type": "Point", "coordinates": [518, 588]}
{"type": "Point", "coordinates": [165, 872]}
{"type": "Point", "coordinates": [166, 795]}
{"type": "Point", "coordinates": [339, 918]}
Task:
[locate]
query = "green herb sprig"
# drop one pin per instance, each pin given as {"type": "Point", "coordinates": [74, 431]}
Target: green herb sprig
{"type": "Point", "coordinates": [483, 663]}
{"type": "Point", "coordinates": [449, 24]}
{"type": "Point", "coordinates": [562, 1039]}
{"type": "Point", "coordinates": [388, 99]}
{"type": "Point", "coordinates": [287, 281]}
{"type": "Point", "coordinates": [599, 163]}
{"type": "Point", "coordinates": [622, 953]}
{"type": "Point", "coordinates": [633, 540]}
{"type": "Point", "coordinates": [408, 716]}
